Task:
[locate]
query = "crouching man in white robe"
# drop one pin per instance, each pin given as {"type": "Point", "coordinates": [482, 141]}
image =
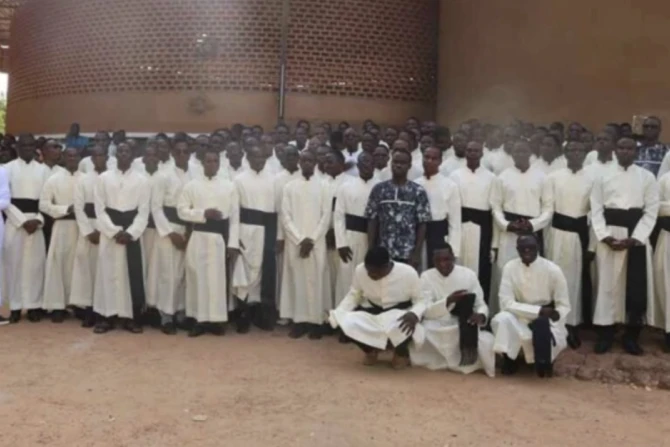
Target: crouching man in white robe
{"type": "Point", "coordinates": [86, 251]}
{"type": "Point", "coordinates": [455, 311]}
{"type": "Point", "coordinates": [382, 308]}
{"type": "Point", "coordinates": [57, 201]}
{"type": "Point", "coordinates": [533, 305]}
{"type": "Point", "coordinates": [211, 203]}
{"type": "Point", "coordinates": [122, 203]}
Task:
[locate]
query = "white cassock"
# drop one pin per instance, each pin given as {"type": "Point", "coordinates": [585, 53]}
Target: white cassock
{"type": "Point", "coordinates": [350, 227]}
{"type": "Point", "coordinates": [306, 211]}
{"type": "Point", "coordinates": [489, 155]}
{"type": "Point", "coordinates": [623, 189]}
{"type": "Point", "coordinates": [476, 221]}
{"type": "Point", "coordinates": [662, 251]}
{"type": "Point", "coordinates": [333, 185]}
{"type": "Point", "coordinates": [592, 157]}
{"type": "Point", "coordinates": [517, 193]}
{"type": "Point", "coordinates": [166, 276]}
{"type": "Point", "coordinates": [500, 161]}
{"type": "Point", "coordinates": [197, 170]}
{"type": "Point", "coordinates": [281, 180]}
{"type": "Point", "coordinates": [523, 291]}
{"type": "Point", "coordinates": [118, 192]}
{"type": "Point", "coordinates": [571, 192]}
{"type": "Point", "coordinates": [57, 196]}
{"type": "Point", "coordinates": [166, 165]}
{"type": "Point", "coordinates": [383, 302]}
{"type": "Point", "coordinates": [557, 164]}
{"type": "Point", "coordinates": [441, 349]}
{"type": "Point", "coordinates": [445, 208]}
{"type": "Point", "coordinates": [352, 157]}
{"type": "Point", "coordinates": [150, 234]}
{"type": "Point", "coordinates": [451, 164]}
{"type": "Point", "coordinates": [86, 253]}
{"type": "Point", "coordinates": [206, 265]}
{"type": "Point", "coordinates": [273, 164]}
{"type": "Point", "coordinates": [232, 173]}
{"type": "Point", "coordinates": [417, 158]}
{"type": "Point", "coordinates": [5, 198]}
{"type": "Point", "coordinates": [86, 164]}
{"type": "Point", "coordinates": [258, 233]}
{"type": "Point", "coordinates": [24, 255]}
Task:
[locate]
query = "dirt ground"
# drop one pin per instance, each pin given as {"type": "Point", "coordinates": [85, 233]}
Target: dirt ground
{"type": "Point", "coordinates": [61, 385]}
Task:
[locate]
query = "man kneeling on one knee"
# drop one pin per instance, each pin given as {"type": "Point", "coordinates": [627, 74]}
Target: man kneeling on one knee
{"type": "Point", "coordinates": [382, 308]}
{"type": "Point", "coordinates": [534, 303]}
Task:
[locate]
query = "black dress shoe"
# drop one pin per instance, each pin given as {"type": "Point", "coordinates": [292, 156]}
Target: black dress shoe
{"type": "Point", "coordinates": [58, 316]}
{"type": "Point", "coordinates": [218, 329]}
{"type": "Point", "coordinates": [88, 319]}
{"type": "Point", "coordinates": [243, 324]}
{"type": "Point", "coordinates": [631, 346]}
{"type": "Point", "coordinates": [197, 330]}
{"type": "Point", "coordinates": [103, 326]}
{"type": "Point", "coordinates": [666, 348]}
{"type": "Point", "coordinates": [315, 332]}
{"type": "Point", "coordinates": [298, 330]}
{"type": "Point", "coordinates": [169, 329]}
{"type": "Point", "coordinates": [509, 366]}
{"type": "Point", "coordinates": [34, 315]}
{"type": "Point", "coordinates": [133, 327]}
{"type": "Point", "coordinates": [573, 338]}
{"type": "Point", "coordinates": [15, 316]}
{"type": "Point", "coordinates": [343, 338]}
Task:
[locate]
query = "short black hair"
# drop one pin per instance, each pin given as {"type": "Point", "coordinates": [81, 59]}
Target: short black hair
{"type": "Point", "coordinates": [377, 257]}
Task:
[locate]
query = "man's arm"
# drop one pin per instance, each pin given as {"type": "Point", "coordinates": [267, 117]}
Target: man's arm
{"type": "Point", "coordinates": [559, 293]}
{"type": "Point", "coordinates": [598, 209]}
{"type": "Point", "coordinates": [651, 204]}
{"type": "Point", "coordinates": [372, 214]}
{"type": "Point", "coordinates": [497, 204]}
{"type": "Point", "coordinates": [454, 210]}
{"type": "Point", "coordinates": [508, 300]}
{"type": "Point", "coordinates": [546, 206]}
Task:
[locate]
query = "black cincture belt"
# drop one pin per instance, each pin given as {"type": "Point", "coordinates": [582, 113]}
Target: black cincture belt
{"type": "Point", "coordinates": [484, 219]}
{"type": "Point", "coordinates": [356, 223]}
{"type": "Point", "coordinates": [267, 220]}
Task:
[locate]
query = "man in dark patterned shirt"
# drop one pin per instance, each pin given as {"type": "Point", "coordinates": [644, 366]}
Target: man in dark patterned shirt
{"type": "Point", "coordinates": [397, 213]}
{"type": "Point", "coordinates": [650, 151]}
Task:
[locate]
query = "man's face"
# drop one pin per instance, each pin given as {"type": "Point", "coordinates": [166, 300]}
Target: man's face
{"type": "Point", "coordinates": [150, 158]}
{"type": "Point", "coordinates": [377, 273]}
{"type": "Point", "coordinates": [365, 164]}
{"type": "Point", "coordinates": [74, 129]}
{"type": "Point", "coordinates": [267, 142]}
{"type": "Point", "coordinates": [72, 158]}
{"type": "Point", "coordinates": [575, 154]}
{"type": "Point", "coordinates": [51, 152]}
{"type": "Point", "coordinates": [180, 153]}
{"type": "Point", "coordinates": [300, 135]}
{"type": "Point", "coordinates": [444, 262]}
{"type": "Point", "coordinates": [102, 139]}
{"type": "Point", "coordinates": [460, 143]}
{"type": "Point", "coordinates": [350, 138]}
{"type": "Point", "coordinates": [27, 148]}
{"type": "Point", "coordinates": [307, 163]}
{"type": "Point", "coordinates": [474, 152]}
{"type": "Point", "coordinates": [381, 156]}
{"type": "Point", "coordinates": [124, 155]}
{"type": "Point", "coordinates": [651, 129]}
{"type": "Point", "coordinates": [412, 123]}
{"type": "Point", "coordinates": [432, 159]}
{"type": "Point", "coordinates": [626, 151]}
{"type": "Point", "coordinates": [217, 142]}
{"type": "Point", "coordinates": [321, 134]}
{"type": "Point", "coordinates": [256, 158]}
{"type": "Point", "coordinates": [495, 139]}
{"type": "Point", "coordinates": [574, 131]}
{"type": "Point", "coordinates": [511, 136]}
{"type": "Point", "coordinates": [163, 149]}
{"type": "Point", "coordinates": [526, 246]}
{"type": "Point", "coordinates": [99, 158]}
{"type": "Point", "coordinates": [586, 138]}
{"type": "Point", "coordinates": [368, 142]}
{"type": "Point", "coordinates": [212, 161]}
{"type": "Point", "coordinates": [201, 146]}
{"type": "Point", "coordinates": [400, 163]}
{"type": "Point", "coordinates": [521, 155]}
{"type": "Point", "coordinates": [390, 135]}
{"type": "Point", "coordinates": [281, 135]}
{"type": "Point", "coordinates": [548, 148]}
{"type": "Point", "coordinates": [332, 165]}
{"type": "Point", "coordinates": [291, 158]}
{"type": "Point", "coordinates": [626, 131]}
{"type": "Point", "coordinates": [234, 153]}
{"type": "Point", "coordinates": [428, 127]}
{"type": "Point", "coordinates": [426, 142]}
{"type": "Point", "coordinates": [604, 143]}
{"type": "Point", "coordinates": [257, 132]}
{"type": "Point", "coordinates": [321, 155]}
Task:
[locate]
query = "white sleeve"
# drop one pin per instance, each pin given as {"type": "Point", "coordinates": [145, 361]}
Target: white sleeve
{"type": "Point", "coordinates": [508, 300]}
{"type": "Point", "coordinates": [646, 225]}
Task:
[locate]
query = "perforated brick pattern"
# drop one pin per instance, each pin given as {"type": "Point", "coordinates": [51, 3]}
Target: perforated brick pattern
{"type": "Point", "coordinates": [375, 49]}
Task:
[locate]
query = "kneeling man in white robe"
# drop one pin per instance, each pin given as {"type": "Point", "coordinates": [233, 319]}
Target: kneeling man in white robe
{"type": "Point", "coordinates": [534, 303]}
{"type": "Point", "coordinates": [455, 312]}
{"type": "Point", "coordinates": [382, 308]}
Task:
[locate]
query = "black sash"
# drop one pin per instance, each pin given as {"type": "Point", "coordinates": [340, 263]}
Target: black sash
{"type": "Point", "coordinates": [373, 309]}
{"type": "Point", "coordinates": [468, 334]}
{"type": "Point", "coordinates": [513, 217]}
{"type": "Point", "coordinates": [172, 217]}
{"type": "Point", "coordinates": [436, 231]}
{"type": "Point", "coordinates": [543, 340]}
{"type": "Point", "coordinates": [134, 259]}
{"type": "Point", "coordinates": [67, 217]}
{"type": "Point", "coordinates": [636, 271]}
{"type": "Point", "coordinates": [151, 223]}
{"type": "Point", "coordinates": [213, 226]}
{"type": "Point", "coordinates": [356, 223]}
{"type": "Point", "coordinates": [484, 219]}
{"type": "Point", "coordinates": [580, 226]}
{"type": "Point", "coordinates": [32, 206]}
{"type": "Point", "coordinates": [662, 223]}
{"type": "Point", "coordinates": [269, 266]}
{"type": "Point", "coordinates": [89, 209]}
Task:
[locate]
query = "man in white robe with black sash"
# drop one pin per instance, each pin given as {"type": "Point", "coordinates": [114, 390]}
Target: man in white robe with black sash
{"type": "Point", "coordinates": [382, 308]}
{"type": "Point", "coordinates": [255, 296]}
{"type": "Point", "coordinates": [662, 255]}
{"type": "Point", "coordinates": [475, 183]}
{"type": "Point", "coordinates": [51, 157]}
{"type": "Point", "coordinates": [24, 252]}
{"type": "Point", "coordinates": [522, 203]}
{"type": "Point", "coordinates": [567, 239]}
{"type": "Point", "coordinates": [57, 202]}
{"type": "Point", "coordinates": [534, 302]}
{"type": "Point", "coordinates": [624, 206]}
{"type": "Point", "coordinates": [122, 205]}
{"type": "Point", "coordinates": [211, 204]}
{"type": "Point", "coordinates": [455, 313]}
{"type": "Point", "coordinates": [86, 252]}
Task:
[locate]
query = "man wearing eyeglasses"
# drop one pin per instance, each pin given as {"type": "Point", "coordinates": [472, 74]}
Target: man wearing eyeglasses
{"type": "Point", "coordinates": [651, 153]}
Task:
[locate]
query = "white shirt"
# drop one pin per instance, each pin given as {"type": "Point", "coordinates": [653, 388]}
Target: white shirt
{"type": "Point", "coordinates": [474, 187]}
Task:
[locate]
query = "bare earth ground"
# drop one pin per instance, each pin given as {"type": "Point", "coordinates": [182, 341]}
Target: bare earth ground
{"type": "Point", "coordinates": [65, 386]}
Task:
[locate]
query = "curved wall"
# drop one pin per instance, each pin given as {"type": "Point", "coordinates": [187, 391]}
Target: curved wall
{"type": "Point", "coordinates": [543, 61]}
{"type": "Point", "coordinates": [150, 65]}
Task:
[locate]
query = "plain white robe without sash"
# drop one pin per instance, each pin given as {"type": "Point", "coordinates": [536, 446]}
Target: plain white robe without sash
{"type": "Point", "coordinates": [525, 193]}
{"type": "Point", "coordinates": [57, 196]}
{"type": "Point", "coordinates": [445, 203]}
{"type": "Point", "coordinates": [352, 198]}
{"type": "Point", "coordinates": [256, 191]}
{"type": "Point", "coordinates": [571, 193]}
{"type": "Point", "coordinates": [475, 192]}
{"type": "Point", "coordinates": [166, 278]}
{"type": "Point", "coordinates": [621, 188]}
{"type": "Point", "coordinates": [150, 234]}
{"type": "Point", "coordinates": [523, 291]}
{"type": "Point", "coordinates": [206, 264]}
{"type": "Point", "coordinates": [121, 191]}
{"type": "Point", "coordinates": [24, 255]}
{"type": "Point", "coordinates": [306, 212]}
{"type": "Point", "coordinates": [400, 285]}
{"type": "Point", "coordinates": [281, 180]}
{"type": "Point", "coordinates": [662, 253]}
{"type": "Point", "coordinates": [333, 185]}
{"type": "Point", "coordinates": [5, 198]}
{"type": "Point", "coordinates": [441, 348]}
{"type": "Point", "coordinates": [86, 253]}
